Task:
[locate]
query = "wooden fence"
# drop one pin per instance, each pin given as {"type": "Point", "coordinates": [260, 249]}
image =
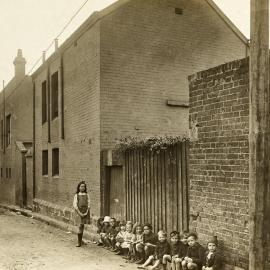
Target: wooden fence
{"type": "Point", "coordinates": [157, 187]}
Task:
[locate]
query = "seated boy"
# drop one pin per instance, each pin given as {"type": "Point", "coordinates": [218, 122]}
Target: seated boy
{"type": "Point", "coordinates": [162, 250]}
{"type": "Point", "coordinates": [147, 247]}
{"type": "Point", "coordinates": [212, 260]}
{"type": "Point", "coordinates": [195, 253]}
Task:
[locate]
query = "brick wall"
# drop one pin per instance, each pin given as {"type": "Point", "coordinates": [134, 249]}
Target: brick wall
{"type": "Point", "coordinates": [18, 103]}
{"type": "Point", "coordinates": [147, 52]}
{"type": "Point", "coordinates": [79, 151]}
{"type": "Point", "coordinates": [219, 108]}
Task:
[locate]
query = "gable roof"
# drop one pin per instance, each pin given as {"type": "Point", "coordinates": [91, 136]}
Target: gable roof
{"type": "Point", "coordinates": [222, 15]}
{"type": "Point", "coordinates": [99, 15]}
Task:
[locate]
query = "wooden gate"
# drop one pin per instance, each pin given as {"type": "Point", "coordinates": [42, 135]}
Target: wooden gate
{"type": "Point", "coordinates": [157, 187]}
{"type": "Point", "coordinates": [117, 193]}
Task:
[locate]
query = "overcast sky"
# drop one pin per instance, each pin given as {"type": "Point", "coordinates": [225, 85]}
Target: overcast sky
{"type": "Point", "coordinates": [32, 25]}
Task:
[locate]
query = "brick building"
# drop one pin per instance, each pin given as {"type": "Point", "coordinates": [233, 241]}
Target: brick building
{"type": "Point", "coordinates": [16, 127]}
{"type": "Point", "coordinates": [123, 72]}
{"type": "Point", "coordinates": [219, 158]}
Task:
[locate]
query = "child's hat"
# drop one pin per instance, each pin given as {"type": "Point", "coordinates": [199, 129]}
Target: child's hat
{"type": "Point", "coordinates": [107, 219]}
{"type": "Point", "coordinates": [213, 240]}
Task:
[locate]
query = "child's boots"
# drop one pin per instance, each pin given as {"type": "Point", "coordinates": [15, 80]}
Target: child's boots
{"type": "Point", "coordinates": [79, 240]}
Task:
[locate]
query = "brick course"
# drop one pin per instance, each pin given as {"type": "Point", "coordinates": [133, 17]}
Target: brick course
{"type": "Point", "coordinates": [219, 107]}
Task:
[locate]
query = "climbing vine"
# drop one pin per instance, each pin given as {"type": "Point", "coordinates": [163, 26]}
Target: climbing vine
{"type": "Point", "coordinates": [154, 143]}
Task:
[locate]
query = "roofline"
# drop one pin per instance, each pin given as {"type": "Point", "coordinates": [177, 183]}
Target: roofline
{"type": "Point", "coordinates": [86, 25]}
{"type": "Point", "coordinates": [222, 15]}
{"type": "Point", "coordinates": [98, 15]}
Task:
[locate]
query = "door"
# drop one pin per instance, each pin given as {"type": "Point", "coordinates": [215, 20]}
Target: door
{"type": "Point", "coordinates": [24, 184]}
{"type": "Point", "coordinates": [117, 193]}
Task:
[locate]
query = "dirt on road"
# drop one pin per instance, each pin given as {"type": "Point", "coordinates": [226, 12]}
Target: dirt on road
{"type": "Point", "coordinates": [27, 244]}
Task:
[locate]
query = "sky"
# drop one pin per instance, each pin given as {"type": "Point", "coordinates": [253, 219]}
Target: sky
{"type": "Point", "coordinates": [32, 25]}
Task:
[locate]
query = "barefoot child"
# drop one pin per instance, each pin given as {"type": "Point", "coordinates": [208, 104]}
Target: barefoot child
{"type": "Point", "coordinates": [81, 204]}
{"type": "Point", "coordinates": [147, 247]}
{"type": "Point", "coordinates": [162, 250]}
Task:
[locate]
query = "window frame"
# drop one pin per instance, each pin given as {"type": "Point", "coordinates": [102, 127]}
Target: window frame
{"type": "Point", "coordinates": [55, 162]}
{"type": "Point", "coordinates": [54, 95]}
{"type": "Point", "coordinates": [45, 165]}
{"type": "Point", "coordinates": [44, 103]}
{"type": "Point", "coordinates": [8, 130]}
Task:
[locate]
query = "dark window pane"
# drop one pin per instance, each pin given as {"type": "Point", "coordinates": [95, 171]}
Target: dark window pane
{"type": "Point", "coordinates": [55, 161]}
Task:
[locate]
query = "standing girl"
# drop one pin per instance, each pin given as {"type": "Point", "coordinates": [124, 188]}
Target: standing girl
{"type": "Point", "coordinates": [81, 204]}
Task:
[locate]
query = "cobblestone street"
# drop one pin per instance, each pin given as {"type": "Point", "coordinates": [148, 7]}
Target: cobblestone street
{"type": "Point", "coordinates": [27, 244]}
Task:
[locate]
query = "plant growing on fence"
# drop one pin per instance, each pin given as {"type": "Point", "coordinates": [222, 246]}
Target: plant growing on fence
{"type": "Point", "coordinates": [154, 143]}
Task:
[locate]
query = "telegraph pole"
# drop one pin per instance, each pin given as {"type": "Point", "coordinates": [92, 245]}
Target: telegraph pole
{"type": "Point", "coordinates": [259, 142]}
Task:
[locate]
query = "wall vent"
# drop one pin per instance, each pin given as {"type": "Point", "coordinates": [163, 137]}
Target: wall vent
{"type": "Point", "coordinates": [178, 11]}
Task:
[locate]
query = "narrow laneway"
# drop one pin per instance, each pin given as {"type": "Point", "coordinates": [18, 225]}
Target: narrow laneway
{"type": "Point", "coordinates": [27, 244]}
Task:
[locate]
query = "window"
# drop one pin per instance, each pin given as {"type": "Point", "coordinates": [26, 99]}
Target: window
{"type": "Point", "coordinates": [8, 127]}
{"type": "Point", "coordinates": [45, 162]}
{"type": "Point", "coordinates": [55, 161]}
{"type": "Point", "coordinates": [2, 134]}
{"type": "Point", "coordinates": [54, 95]}
{"type": "Point", "coordinates": [9, 172]}
{"type": "Point", "coordinates": [1, 172]}
{"type": "Point", "coordinates": [44, 101]}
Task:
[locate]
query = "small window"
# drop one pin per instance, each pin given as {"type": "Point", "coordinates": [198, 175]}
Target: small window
{"type": "Point", "coordinates": [2, 134]}
{"type": "Point", "coordinates": [45, 162]}
{"type": "Point", "coordinates": [44, 101]}
{"type": "Point", "coordinates": [55, 161]}
{"type": "Point", "coordinates": [54, 95]}
{"type": "Point", "coordinates": [1, 172]}
{"type": "Point", "coordinates": [9, 172]}
{"type": "Point", "coordinates": [8, 129]}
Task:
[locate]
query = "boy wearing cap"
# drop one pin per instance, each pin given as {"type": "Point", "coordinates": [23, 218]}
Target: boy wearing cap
{"type": "Point", "coordinates": [212, 260]}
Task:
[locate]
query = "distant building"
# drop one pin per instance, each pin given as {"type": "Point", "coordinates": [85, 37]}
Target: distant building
{"type": "Point", "coordinates": [123, 72]}
{"type": "Point", "coordinates": [16, 128]}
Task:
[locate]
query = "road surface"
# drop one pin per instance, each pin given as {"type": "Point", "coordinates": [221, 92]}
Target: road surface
{"type": "Point", "coordinates": [28, 244]}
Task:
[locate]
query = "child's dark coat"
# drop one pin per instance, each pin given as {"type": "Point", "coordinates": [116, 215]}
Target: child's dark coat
{"type": "Point", "coordinates": [182, 252]}
{"type": "Point", "coordinates": [196, 253]}
{"type": "Point", "coordinates": [215, 261]}
{"type": "Point", "coordinates": [162, 248]}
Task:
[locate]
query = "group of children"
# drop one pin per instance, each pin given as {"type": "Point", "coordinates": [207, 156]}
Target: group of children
{"type": "Point", "coordinates": [138, 243]}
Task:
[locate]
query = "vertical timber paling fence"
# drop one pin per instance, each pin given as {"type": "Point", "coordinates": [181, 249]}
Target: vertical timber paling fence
{"type": "Point", "coordinates": [157, 187]}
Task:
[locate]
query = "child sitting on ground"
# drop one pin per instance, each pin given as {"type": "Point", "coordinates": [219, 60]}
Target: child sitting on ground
{"type": "Point", "coordinates": [119, 239]}
{"type": "Point", "coordinates": [99, 229]}
{"type": "Point", "coordinates": [147, 247]}
{"type": "Point", "coordinates": [126, 245]}
{"type": "Point", "coordinates": [105, 232]}
{"type": "Point", "coordinates": [137, 239]}
{"type": "Point", "coordinates": [212, 260]}
{"type": "Point", "coordinates": [174, 247]}
{"type": "Point", "coordinates": [178, 251]}
{"type": "Point", "coordinates": [162, 250]}
{"type": "Point", "coordinates": [195, 253]}
{"type": "Point", "coordinates": [112, 233]}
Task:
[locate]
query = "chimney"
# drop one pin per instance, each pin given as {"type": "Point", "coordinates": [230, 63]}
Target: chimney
{"type": "Point", "coordinates": [19, 64]}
